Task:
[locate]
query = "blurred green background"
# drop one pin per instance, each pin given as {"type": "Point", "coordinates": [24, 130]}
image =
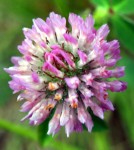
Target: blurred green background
{"type": "Point", "coordinates": [14, 135]}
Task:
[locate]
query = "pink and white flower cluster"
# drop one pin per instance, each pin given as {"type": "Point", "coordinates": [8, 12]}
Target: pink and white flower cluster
{"type": "Point", "coordinates": [66, 69]}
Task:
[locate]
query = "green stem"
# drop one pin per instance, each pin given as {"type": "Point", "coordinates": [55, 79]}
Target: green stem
{"type": "Point", "coordinates": [18, 129]}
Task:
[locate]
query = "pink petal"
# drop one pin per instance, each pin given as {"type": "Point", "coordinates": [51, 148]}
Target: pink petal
{"type": "Point", "coordinates": [55, 121]}
{"type": "Point", "coordinates": [65, 114]}
{"type": "Point", "coordinates": [72, 82]}
{"type": "Point", "coordinates": [49, 67]}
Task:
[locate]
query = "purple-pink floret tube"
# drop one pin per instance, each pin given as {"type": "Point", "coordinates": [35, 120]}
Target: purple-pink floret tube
{"type": "Point", "coordinates": [67, 70]}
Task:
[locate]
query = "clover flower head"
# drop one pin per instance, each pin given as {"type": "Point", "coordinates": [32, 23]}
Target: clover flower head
{"type": "Point", "coordinates": [68, 70]}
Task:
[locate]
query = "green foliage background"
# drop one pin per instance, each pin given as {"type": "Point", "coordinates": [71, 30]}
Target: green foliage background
{"type": "Point", "coordinates": [16, 14]}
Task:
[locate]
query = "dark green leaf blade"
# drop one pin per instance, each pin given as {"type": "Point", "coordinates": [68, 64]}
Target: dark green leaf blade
{"type": "Point", "coordinates": [43, 138]}
{"type": "Point", "coordinates": [99, 124]}
{"type": "Point", "coordinates": [129, 70]}
{"type": "Point", "coordinates": [100, 2]}
{"type": "Point", "coordinates": [124, 30]}
{"type": "Point", "coordinates": [42, 132]}
{"type": "Point", "coordinates": [125, 7]}
{"type": "Point", "coordinates": [62, 7]}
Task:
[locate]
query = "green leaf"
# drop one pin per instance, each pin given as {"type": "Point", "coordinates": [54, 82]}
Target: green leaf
{"type": "Point", "coordinates": [59, 145]}
{"type": "Point", "coordinates": [119, 6]}
{"type": "Point", "coordinates": [85, 13]}
{"type": "Point", "coordinates": [101, 141]}
{"type": "Point", "coordinates": [129, 70]}
{"type": "Point", "coordinates": [62, 7]}
{"type": "Point", "coordinates": [124, 31]}
{"type": "Point", "coordinates": [125, 7]}
{"type": "Point", "coordinates": [18, 129]}
{"type": "Point", "coordinates": [114, 2]}
{"type": "Point", "coordinates": [100, 15]}
{"type": "Point", "coordinates": [100, 2]}
{"type": "Point", "coordinates": [125, 102]}
{"type": "Point", "coordinates": [99, 124]}
{"type": "Point", "coordinates": [42, 132]}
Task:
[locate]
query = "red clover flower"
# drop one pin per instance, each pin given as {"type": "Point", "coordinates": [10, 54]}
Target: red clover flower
{"type": "Point", "coordinates": [68, 70]}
